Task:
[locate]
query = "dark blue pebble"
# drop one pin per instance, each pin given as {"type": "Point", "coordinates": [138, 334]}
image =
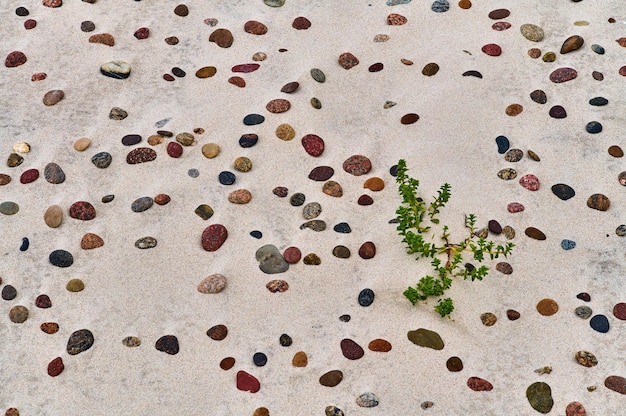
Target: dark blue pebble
{"type": "Point", "coordinates": [343, 228]}
{"type": "Point", "coordinates": [598, 101]}
{"type": "Point", "coordinates": [256, 234]}
{"type": "Point", "coordinates": [25, 244]}
{"type": "Point", "coordinates": [259, 359]}
{"type": "Point", "coordinates": [366, 297]}
{"type": "Point", "coordinates": [593, 127]}
{"type": "Point", "coordinates": [227, 178]}
{"type": "Point", "coordinates": [393, 171]}
{"type": "Point", "coordinates": [600, 323]}
{"type": "Point", "coordinates": [503, 144]}
{"type": "Point", "coordinates": [597, 49]}
{"type": "Point", "coordinates": [61, 258]}
{"type": "Point", "coordinates": [248, 140]}
{"type": "Point", "coordinates": [568, 244]}
{"type": "Point", "coordinates": [253, 119]}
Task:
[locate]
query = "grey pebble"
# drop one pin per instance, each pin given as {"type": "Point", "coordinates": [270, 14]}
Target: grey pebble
{"type": "Point", "coordinates": [117, 113]}
{"type": "Point", "coordinates": [102, 160]}
{"type": "Point", "coordinates": [53, 173]}
{"type": "Point", "coordinates": [583, 312]}
{"type": "Point", "coordinates": [297, 199]}
{"type": "Point", "coordinates": [146, 242]}
{"type": "Point", "coordinates": [9, 208]}
{"type": "Point", "coordinates": [141, 204]}
{"type": "Point", "coordinates": [270, 260]}
{"type": "Point", "coordinates": [367, 400]}
{"type": "Point", "coordinates": [318, 75]}
{"type": "Point", "coordinates": [621, 230]}
{"type": "Point", "coordinates": [194, 173]}
{"type": "Point", "coordinates": [79, 341]}
{"type": "Point", "coordinates": [311, 210]}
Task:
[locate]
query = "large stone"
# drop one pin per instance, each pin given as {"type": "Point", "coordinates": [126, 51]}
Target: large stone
{"type": "Point", "coordinates": [271, 261]}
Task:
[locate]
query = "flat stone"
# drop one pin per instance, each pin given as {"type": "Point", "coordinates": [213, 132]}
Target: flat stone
{"type": "Point", "coordinates": [312, 259]}
{"type": "Point", "coordinates": [245, 68]}
{"type": "Point", "coordinates": [204, 211]}
{"type": "Point", "coordinates": [575, 409]}
{"type": "Point", "coordinates": [43, 302]}
{"type": "Point", "coordinates": [568, 244]}
{"type": "Point", "coordinates": [102, 38]}
{"type": "Point", "coordinates": [240, 196]}
{"type": "Point", "coordinates": [316, 103]}
{"type": "Point", "coordinates": [131, 342]}
{"type": "Point", "coordinates": [479, 384]}
{"type": "Point", "coordinates": [454, 364]}
{"type": "Point", "coordinates": [616, 383]}
{"type": "Point", "coordinates": [395, 19]}
{"type": "Point", "coordinates": [530, 182]}
{"type": "Point", "coordinates": [512, 314]}
{"type": "Point", "coordinates": [285, 132]}
{"type": "Point", "coordinates": [532, 32]}
{"type": "Point", "coordinates": [217, 332]}
{"type": "Point", "coordinates": [290, 87]}
{"type": "Point", "coordinates": [277, 286]}
{"type": "Point", "coordinates": [140, 155]}
{"type": "Point", "coordinates": [301, 23]}
{"type": "Point", "coordinates": [79, 341]}
{"type": "Point", "coordinates": [271, 260]}
{"type": "Point", "coordinates": [54, 174]}
{"type": "Point", "coordinates": [116, 69]}
{"type": "Point", "coordinates": [563, 75]}
{"type": "Point", "coordinates": [9, 208]}
{"type": "Point", "coordinates": [318, 75]}
{"type": "Point", "coordinates": [226, 178]}
{"type": "Point", "coordinates": [206, 72]}
{"type": "Point", "coordinates": [357, 165]}
{"type": "Point", "coordinates": [6, 179]}
{"type": "Point", "coordinates": [49, 327]}
{"type": "Point", "coordinates": [14, 160]}
{"type": "Point", "coordinates": [539, 396]}
{"type": "Point", "coordinates": [278, 105]}
{"type": "Point", "coordinates": [368, 399]}
{"type": "Point", "coordinates": [492, 49]}
{"type": "Point", "coordinates": [535, 233]}
{"type": "Point", "coordinates": [584, 296]}
{"type": "Point", "coordinates": [563, 191]}
{"type": "Point", "coordinates": [210, 150]}
{"type": "Point", "coordinates": [583, 312]}
{"type": "Point", "coordinates": [366, 297]}
{"type": "Point", "coordinates": [246, 381]}
{"type": "Point", "coordinates": [15, 59]}
{"type": "Point", "coordinates": [214, 283]}
{"type": "Point", "coordinates": [341, 252]}
{"type": "Point", "coordinates": [29, 176]}
{"type": "Point", "coordinates": [616, 151]}
{"type": "Point", "coordinates": [499, 14]}
{"type": "Point", "coordinates": [599, 201]}
{"type": "Point", "coordinates": [494, 226]}
{"type": "Point", "coordinates": [321, 173]}
{"type": "Point", "coordinates": [557, 111]}
{"type": "Point", "coordinates": [472, 73]}
{"type": "Point", "coordinates": [430, 69]}
{"type": "Point", "coordinates": [426, 338]}
{"type": "Point", "coordinates": [248, 140]}
{"type": "Point", "coordinates": [186, 139]}
{"type": "Point", "coordinates": [145, 243]}
{"type": "Point", "coordinates": [300, 359]}
{"type": "Point", "coordinates": [409, 118]}
{"type": "Point", "coordinates": [91, 241]}
{"type": "Point", "coordinates": [503, 144]}
{"type": "Point", "coordinates": [488, 319]}
{"type": "Point", "coordinates": [222, 38]}
{"type": "Point", "coordinates": [440, 6]}
{"type": "Point", "coordinates": [167, 344]}
{"type": "Point", "coordinates": [253, 119]}
{"type": "Point", "coordinates": [255, 28]}
{"type": "Point", "coordinates": [213, 237]}
{"type": "Point", "coordinates": [141, 204]}
{"type": "Point", "coordinates": [331, 378]}
{"type": "Point", "coordinates": [547, 307]}
{"type": "Point", "coordinates": [600, 323]}
{"type": "Point", "coordinates": [82, 210]}
{"type": "Point", "coordinates": [501, 26]}
{"type": "Point", "coordinates": [504, 268]}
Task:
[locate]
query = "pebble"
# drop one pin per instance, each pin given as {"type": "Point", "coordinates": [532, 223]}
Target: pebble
{"type": "Point", "coordinates": [367, 250]}
{"type": "Point", "coordinates": [311, 210]}
{"type": "Point", "coordinates": [593, 127]}
{"type": "Point", "coordinates": [171, 40]}
{"type": "Point", "coordinates": [115, 69]}
{"type": "Point", "coordinates": [25, 244]}
{"type": "Point", "coordinates": [43, 302]}
{"type": "Point", "coordinates": [539, 96]}
{"type": "Point", "coordinates": [103, 39]}
{"type": "Point", "coordinates": [285, 132]}
{"type": "Point", "coordinates": [226, 178]}
{"type": "Point", "coordinates": [563, 191]}
{"type": "Point", "coordinates": [259, 359]}
{"type": "Point", "coordinates": [61, 258]}
{"type": "Point", "coordinates": [297, 199]}
{"type": "Point", "coordinates": [140, 155]}
{"type": "Point", "coordinates": [275, 286]}
{"type": "Point", "coordinates": [167, 344]}
{"type": "Point", "coordinates": [583, 312]}
{"type": "Point", "coordinates": [345, 318]}
{"type": "Point", "coordinates": [316, 103]}
{"type": "Point", "coordinates": [193, 173]}
{"type": "Point", "coordinates": [271, 260]}
{"type": "Point", "coordinates": [584, 296]}
{"type": "Point", "coordinates": [55, 367]}
{"type": "Point", "coordinates": [145, 243]}
{"type": "Point", "coordinates": [131, 342]}
{"type": "Point", "coordinates": [557, 111]}
{"type": "Point", "coordinates": [222, 38]}
{"type": "Point", "coordinates": [227, 363]}
{"type": "Point", "coordinates": [331, 378]}
{"type": "Point", "coordinates": [18, 314]}
{"type": "Point", "coordinates": [211, 21]}
{"type": "Point", "coordinates": [532, 32]}
{"type": "Point", "coordinates": [535, 233]}
{"type": "Point", "coordinates": [494, 226]}
{"type": "Point", "coordinates": [616, 383]}
{"type": "Point", "coordinates": [409, 118]}
{"type": "Point", "coordinates": [22, 11]}
{"type": "Point", "coordinates": [315, 225]}
{"type": "Point", "coordinates": [575, 409]}
{"type": "Point", "coordinates": [500, 26]}
{"type": "Point", "coordinates": [217, 332]}
{"type": "Point", "coordinates": [549, 57]}
{"type": "Point", "coordinates": [598, 201]}
{"type": "Point", "coordinates": [513, 155]}
{"type": "Point", "coordinates": [261, 411]}
{"type": "Point", "coordinates": [599, 323]}
{"type": "Point", "coordinates": [395, 19]}
{"type": "Point", "coordinates": [75, 285]}
{"type": "Point", "coordinates": [454, 364]}
{"type": "Point", "coordinates": [141, 204]}
{"type": "Point", "coordinates": [214, 283]}
{"type": "Point", "coordinates": [240, 196]}
{"type": "Point", "coordinates": [369, 399]}
{"type": "Point", "coordinates": [530, 182]}
{"type": "Point", "coordinates": [253, 119]}
{"type": "Point", "coordinates": [616, 151]}
{"type": "Point", "coordinates": [503, 144]}
{"type": "Point", "coordinates": [488, 319]}
{"type": "Point", "coordinates": [29, 176]}
{"type": "Point", "coordinates": [131, 139]}
{"type": "Point", "coordinates": [499, 14]}
{"type": "Point", "coordinates": [572, 43]}
{"type": "Point", "coordinates": [87, 26]}
{"type": "Point", "coordinates": [204, 211]}
{"type": "Point", "coordinates": [568, 244]}
{"type": "Point", "coordinates": [341, 252]}
{"type": "Point", "coordinates": [15, 59]}
{"type": "Point", "coordinates": [301, 23]}
{"type": "Point", "coordinates": [53, 216]}
{"type": "Point", "coordinates": [49, 327]}
{"type": "Point", "coordinates": [52, 3]}
{"type": "Point", "coordinates": [342, 228]}
{"type": "Point", "coordinates": [259, 56]}
{"type": "Point", "coordinates": [300, 359]}
{"type": "Point", "coordinates": [313, 145]}
{"type": "Point", "coordinates": [381, 37]}
{"type": "Point", "coordinates": [492, 49]}
{"type": "Point", "coordinates": [539, 396]}
{"type": "Point", "coordinates": [162, 199]}
{"type": "Point", "coordinates": [377, 67]}
{"type": "Point", "coordinates": [472, 74]}
{"type": "Point", "coordinates": [52, 97]}
{"type": "Point", "coordinates": [213, 237]}
{"type": "Point", "coordinates": [245, 68]}
{"type": "Point", "coordinates": [379, 345]}
{"type": "Point", "coordinates": [533, 155]}
{"type": "Point", "coordinates": [547, 307]}
{"type": "Point", "coordinates": [347, 60]}
{"type": "Point", "coordinates": [504, 267]}
{"type": "Point", "coordinates": [426, 338]}
{"type": "Point", "coordinates": [278, 105]}
{"type": "Point", "coordinates": [479, 384]}
{"type": "Point", "coordinates": [321, 173]}
{"type": "Point", "coordinates": [586, 359]}
{"type": "Point", "coordinates": [91, 241]}
{"type": "Point", "coordinates": [357, 165]}
{"type": "Point", "coordinates": [248, 140]}
{"type": "Point", "coordinates": [281, 192]}
{"type": "Point", "coordinates": [563, 75]}
{"type": "Point", "coordinates": [14, 160]}
{"type": "Point", "coordinates": [246, 381]}
{"type": "Point", "coordinates": [210, 150]}
{"type": "Point", "coordinates": [255, 28]}
{"type": "Point", "coordinates": [621, 178]}
{"type": "Point", "coordinates": [619, 311]}
{"type": "Point", "coordinates": [512, 314]}
{"type": "Point", "coordinates": [365, 200]}
{"type": "Point", "coordinates": [79, 341]}
{"type": "Point", "coordinates": [206, 72]}
{"type": "Point", "coordinates": [9, 292]}
{"type": "Point", "coordinates": [312, 259]}
{"type": "Point", "coordinates": [238, 81]}
{"type": "Point", "coordinates": [4, 179]}
{"type": "Point", "coordinates": [598, 76]}
{"type": "Point", "coordinates": [318, 75]}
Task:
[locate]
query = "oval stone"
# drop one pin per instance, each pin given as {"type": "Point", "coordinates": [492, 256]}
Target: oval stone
{"type": "Point", "coordinates": [357, 165]}
{"type": "Point", "coordinates": [292, 255]}
{"type": "Point", "coordinates": [321, 173]}
{"type": "Point", "coordinates": [366, 297]}
{"type": "Point", "coordinates": [426, 338]}
{"type": "Point", "coordinates": [79, 341]}
{"type": "Point", "coordinates": [91, 241]}
{"type": "Point", "coordinates": [255, 28]}
{"type": "Point", "coordinates": [367, 250]}
{"type": "Point", "coordinates": [500, 26]}
{"type": "Point", "coordinates": [213, 237]}
{"type": "Point", "coordinates": [248, 140]}
{"type": "Point", "coordinates": [29, 176]}
{"type": "Point", "coordinates": [52, 97]}
{"type": "Point", "coordinates": [351, 350]}
{"type": "Point", "coordinates": [206, 72]}
{"type": "Point", "coordinates": [102, 160]}
{"type": "Point", "coordinates": [563, 191]}
{"type": "Point", "coordinates": [18, 314]}
{"type": "Point", "coordinates": [332, 188]}
{"type": "Point", "coordinates": [49, 327]}
{"type": "Point", "coordinates": [599, 201]}
{"type": "Point", "coordinates": [507, 174]}
{"type": "Point", "coordinates": [409, 118]}
{"type": "Point", "coordinates": [499, 14]}
{"type": "Point", "coordinates": [370, 399]}
{"type": "Point", "coordinates": [572, 43]}
{"type": "Point", "coordinates": [318, 75]}
{"type": "Point", "coordinates": [341, 252]}
{"type": "Point", "coordinates": [313, 144]}
{"type": "Point", "coordinates": [131, 342]}
{"type": "Point", "coordinates": [245, 68]}
{"type": "Point", "coordinates": [146, 243]}
{"type": "Point", "coordinates": [61, 258]}
{"type": "Point", "coordinates": [141, 204]}
{"type": "Point", "coordinates": [479, 384]}
{"type": "Point", "coordinates": [116, 69]}
{"type": "Point", "coordinates": [140, 155]}
{"type": "Point", "coordinates": [563, 75]}
{"type": "Point", "coordinates": [53, 173]}
{"type": "Point", "coordinates": [557, 111]}
{"type": "Point", "coordinates": [535, 233]}
{"type": "Point", "coordinates": [503, 144]}
{"type": "Point", "coordinates": [593, 127]}
{"type": "Point", "coordinates": [599, 323]}
{"type": "Point", "coordinates": [331, 378]}
{"type": "Point", "coordinates": [75, 285]}
{"type": "Point", "coordinates": [598, 101]}
{"type": "Point", "coordinates": [290, 87]}
{"type": "Point", "coordinates": [619, 311]}
{"type": "Point", "coordinates": [82, 210]}
{"type": "Point", "coordinates": [530, 182]}
{"type": "Point", "coordinates": [492, 49]}
{"type": "Point", "coordinates": [278, 105]}
{"type": "Point", "coordinates": [539, 96]}
{"type": "Point", "coordinates": [539, 396]}
{"type": "Point", "coordinates": [532, 32]}
{"type": "Point", "coordinates": [586, 359]}
{"type": "Point", "coordinates": [616, 383]}
{"type": "Point", "coordinates": [222, 38]}
{"type": "Point", "coordinates": [214, 283]}
{"type": "Point", "coordinates": [253, 119]}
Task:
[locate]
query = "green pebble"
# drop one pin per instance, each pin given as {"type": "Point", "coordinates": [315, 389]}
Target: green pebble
{"type": "Point", "coordinates": [9, 208]}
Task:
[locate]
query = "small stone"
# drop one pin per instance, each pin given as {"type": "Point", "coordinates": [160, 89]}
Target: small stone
{"type": "Point", "coordinates": [52, 3]}
{"type": "Point", "coordinates": [115, 69]}
{"type": "Point", "coordinates": [492, 49]}
{"type": "Point", "coordinates": [316, 103]}
{"type": "Point", "coordinates": [572, 43]}
{"type": "Point", "coordinates": [140, 155]}
{"type": "Point", "coordinates": [539, 396]}
{"type": "Point", "coordinates": [495, 227]}
{"type": "Point", "coordinates": [533, 155]}
{"type": "Point", "coordinates": [259, 56]}
{"type": "Point", "coordinates": [271, 260]}
{"type": "Point", "coordinates": [563, 75]}
{"type": "Point", "coordinates": [342, 228]}
{"type": "Point", "coordinates": [616, 151]}
{"type": "Point", "coordinates": [503, 144]}
{"type": "Point", "coordinates": [575, 409]}
{"type": "Point", "coordinates": [366, 297]}
{"type": "Point", "coordinates": [504, 268]}
{"type": "Point", "coordinates": [248, 140]}
{"type": "Point", "coordinates": [426, 338]}
{"type": "Point", "coordinates": [61, 258]}
{"type": "Point", "coordinates": [547, 307]}
{"type": "Point", "coordinates": [530, 182]}
{"type": "Point", "coordinates": [131, 342]}
{"type": "Point", "coordinates": [278, 106]}
{"type": "Point", "coordinates": [616, 383]}
{"type": "Point", "coordinates": [297, 199]}
{"type": "Point", "coordinates": [145, 243]}
{"type": "Point", "coordinates": [246, 381]}
{"type": "Point", "coordinates": [619, 311]}
{"type": "Point", "coordinates": [513, 155]}
{"type": "Point", "coordinates": [14, 160]}
{"type": "Point", "coordinates": [285, 132]}
{"type": "Point", "coordinates": [301, 23]}
{"type": "Point", "coordinates": [181, 10]}
{"type": "Point", "coordinates": [367, 250]}
{"type": "Point", "coordinates": [292, 255]}
{"type": "Point", "coordinates": [281, 192]}
{"type": "Point", "coordinates": [274, 3]}
{"type": "Point", "coordinates": [300, 359]}
{"type": "Point", "coordinates": [49, 327]}
{"type": "Point", "coordinates": [82, 144]}
{"type": "Point", "coordinates": [227, 363]}
{"type": "Point", "coordinates": [103, 39]}
{"type": "Point", "coordinates": [206, 72]}
{"type": "Point", "coordinates": [14, 59]}
{"type": "Point", "coordinates": [599, 202]}
{"type": "Point", "coordinates": [407, 62]}
{"type": "Point", "coordinates": [43, 302]}
{"type": "Point", "coordinates": [75, 285]}
{"type": "Point", "coordinates": [87, 26]}
{"type": "Point", "coordinates": [499, 14]}
{"type": "Point", "coordinates": [381, 38]}
{"type": "Point", "coordinates": [321, 173]}
{"type": "Point", "coordinates": [79, 341]}
{"type": "Point", "coordinates": [240, 196]}
{"type": "Point", "coordinates": [409, 118]}
{"type": "Point", "coordinates": [488, 319]}
{"type": "Point", "coordinates": [313, 144]}
{"type": "Point", "coordinates": [395, 19]}
{"type": "Point", "coordinates": [245, 68]}
{"type": "Point", "coordinates": [584, 296]}
{"type": "Point", "coordinates": [369, 399]}
{"type": "Point", "coordinates": [598, 101]}
{"type": "Point", "coordinates": [162, 199]}
{"type": "Point", "coordinates": [318, 75]}
{"type": "Point", "coordinates": [141, 204]}
{"type": "Point", "coordinates": [557, 111]}
{"type": "Point", "coordinates": [261, 411]}
{"type": "Point", "coordinates": [174, 150]}
{"type": "Point", "coordinates": [254, 28]}
{"type": "Point", "coordinates": [509, 232]}
{"type": "Point", "coordinates": [599, 323]}
{"type": "Point", "coordinates": [513, 315]}
{"type": "Point", "coordinates": [222, 38]}
{"type": "Point", "coordinates": [583, 312]}
{"type": "Point", "coordinates": [167, 344]}
{"type": "Point", "coordinates": [18, 314]}
{"type": "Point", "coordinates": [214, 283]}
{"type": "Point", "coordinates": [29, 176]}
{"type": "Point", "coordinates": [312, 259]}
{"type": "Point", "coordinates": [563, 191]}
{"type": "Point", "coordinates": [479, 384]}
{"type": "Point", "coordinates": [365, 200]}
{"type": "Point", "coordinates": [598, 76]}
{"type": "Point", "coordinates": [9, 292]}
{"type": "Point", "coordinates": [52, 97]}
{"type": "Point", "coordinates": [311, 210]}
{"type": "Point", "coordinates": [351, 350]}
{"type": "Point", "coordinates": [226, 178]}
{"type": "Point", "coordinates": [331, 378]}
{"type": "Point", "coordinates": [217, 332]}
{"type": "Point", "coordinates": [341, 252]}
{"type": "Point", "coordinates": [275, 286]}
{"type": "Point", "coordinates": [213, 237]}
{"type": "Point", "coordinates": [204, 211]}
{"type": "Point", "coordinates": [500, 26]}
{"type": "Point", "coordinates": [535, 233]}
{"type": "Point", "coordinates": [621, 230]}
{"type": "Point", "coordinates": [454, 364]}
{"type": "Point", "coordinates": [357, 165]}
{"type": "Point", "coordinates": [568, 244]}
{"type": "Point", "coordinates": [6, 179]}
{"type": "Point", "coordinates": [55, 367]}
{"type": "Point", "coordinates": [532, 32]}
{"type": "Point", "coordinates": [345, 318]}
{"type": "Point", "coordinates": [91, 241]}
{"type": "Point", "coordinates": [347, 60]}
{"type": "Point", "coordinates": [593, 127]}
{"type": "Point", "coordinates": [253, 119]}
{"type": "Point", "coordinates": [186, 139]}
{"type": "Point", "coordinates": [539, 96]}
{"type": "Point", "coordinates": [482, 233]}
{"type": "Point", "coordinates": [549, 57]}
{"type": "Point", "coordinates": [211, 21]}
{"type": "Point", "coordinates": [25, 244]}
{"type": "Point", "coordinates": [315, 225]}
{"type": "Point", "coordinates": [210, 150]}
{"type": "Point", "coordinates": [507, 174]}
{"type": "Point", "coordinates": [193, 173]}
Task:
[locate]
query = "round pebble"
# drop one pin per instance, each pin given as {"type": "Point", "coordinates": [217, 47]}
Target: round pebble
{"type": "Point", "coordinates": [409, 118]}
{"type": "Point", "coordinates": [619, 311]}
{"type": "Point", "coordinates": [61, 258]}
{"type": "Point", "coordinates": [512, 314]}
{"type": "Point", "coordinates": [488, 319]}
{"type": "Point", "coordinates": [292, 255]}
{"type": "Point", "coordinates": [240, 196]}
{"type": "Point", "coordinates": [29, 176]}
{"type": "Point", "coordinates": [102, 160]}
{"type": "Point", "coordinates": [43, 301]}
{"type": "Point", "coordinates": [547, 307]}
{"type": "Point", "coordinates": [227, 363]}
{"type": "Point", "coordinates": [357, 165]}
{"type": "Point", "coordinates": [18, 314]}
{"type": "Point", "coordinates": [210, 150]}
{"type": "Point", "coordinates": [75, 285]}
{"type": "Point", "coordinates": [367, 250]}
{"type": "Point", "coordinates": [583, 312]}
{"type": "Point", "coordinates": [313, 144]}
{"type": "Point", "coordinates": [341, 252]}
{"type": "Point", "coordinates": [347, 61]}
{"type": "Point", "coordinates": [530, 182]}
{"type": "Point", "coordinates": [193, 173]}
{"type": "Point", "coordinates": [616, 151]}
{"type": "Point", "coordinates": [599, 323]}
{"type": "Point", "coordinates": [217, 332]}
{"type": "Point", "coordinates": [131, 342]}
{"type": "Point", "coordinates": [366, 297]}
{"type": "Point", "coordinates": [285, 340]}
{"type": "Point", "coordinates": [297, 199]}
{"type": "Point", "coordinates": [259, 359]}
{"type": "Point", "coordinates": [9, 292]}
{"type": "Point", "coordinates": [454, 364]}
{"type": "Point", "coordinates": [312, 259]}
{"type": "Point", "coordinates": [593, 127]}
{"type": "Point", "coordinates": [280, 191]}
{"type": "Point", "coordinates": [226, 178]}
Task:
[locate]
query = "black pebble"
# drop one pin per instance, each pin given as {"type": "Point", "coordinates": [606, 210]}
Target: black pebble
{"type": "Point", "coordinates": [563, 191]}
{"type": "Point", "coordinates": [178, 72]}
{"type": "Point", "coordinates": [366, 297]}
{"type": "Point", "coordinates": [285, 340]}
{"type": "Point", "coordinates": [87, 26]}
{"type": "Point", "coordinates": [584, 296]}
{"type": "Point", "coordinates": [259, 359]}
{"type": "Point", "coordinates": [598, 101]}
{"type": "Point", "coordinates": [248, 140]}
{"type": "Point", "coordinates": [226, 178]}
{"type": "Point", "coordinates": [165, 133]}
{"type": "Point", "coordinates": [79, 341]}
{"type": "Point", "coordinates": [168, 344]}
{"type": "Point", "coordinates": [131, 139]}
{"type": "Point", "coordinates": [9, 292]}
{"type": "Point", "coordinates": [472, 74]}
{"type": "Point", "coordinates": [25, 244]}
{"type": "Point", "coordinates": [108, 198]}
{"type": "Point", "coordinates": [61, 258]}
{"type": "Point", "coordinates": [593, 127]}
{"type": "Point", "coordinates": [253, 119]}
{"type": "Point", "coordinates": [393, 171]}
{"type": "Point", "coordinates": [495, 227]}
{"type": "Point", "coordinates": [256, 234]}
{"type": "Point", "coordinates": [22, 11]}
{"type": "Point", "coordinates": [297, 199]}
{"type": "Point", "coordinates": [343, 228]}
{"type": "Point", "coordinates": [345, 318]}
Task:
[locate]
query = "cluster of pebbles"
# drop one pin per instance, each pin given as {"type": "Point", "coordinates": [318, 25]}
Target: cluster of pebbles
{"type": "Point", "coordinates": [271, 260]}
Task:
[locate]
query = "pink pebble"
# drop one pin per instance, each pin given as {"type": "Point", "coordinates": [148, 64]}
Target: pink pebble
{"type": "Point", "coordinates": [492, 49]}
{"type": "Point", "coordinates": [530, 182]}
{"type": "Point", "coordinates": [515, 207]}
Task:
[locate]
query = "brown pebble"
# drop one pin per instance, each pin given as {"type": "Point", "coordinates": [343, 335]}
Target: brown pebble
{"type": "Point", "coordinates": [395, 19]}
{"type": "Point", "coordinates": [102, 38]}
{"type": "Point", "coordinates": [488, 319]}
{"type": "Point", "coordinates": [55, 367]}
{"type": "Point", "coordinates": [162, 199]}
{"type": "Point", "coordinates": [238, 81]}
{"type": "Point", "coordinates": [479, 384]}
{"type": "Point", "coordinates": [217, 332]}
{"type": "Point", "coordinates": [616, 383]}
{"type": "Point", "coordinates": [14, 59]}
{"type": "Point", "coordinates": [301, 23]}
{"type": "Point", "coordinates": [280, 191]}
{"type": "Point", "coordinates": [290, 87]}
{"type": "Point", "coordinates": [155, 139]}
{"type": "Point", "coordinates": [367, 250]}
{"type": "Point", "coordinates": [332, 188]}
{"type": "Point", "coordinates": [514, 110]}
{"type": "Point", "coordinates": [261, 411]}
{"type": "Point", "coordinates": [347, 60]}
{"type": "Point", "coordinates": [572, 43]}
{"type": "Point", "coordinates": [277, 286]}
{"type": "Point", "coordinates": [535, 233]}
{"type": "Point", "coordinates": [292, 255]}
{"type": "Point", "coordinates": [534, 53]}
{"type": "Point", "coordinates": [512, 314]}
{"type": "Point", "coordinates": [91, 241]}
{"type": "Point", "coordinates": [465, 4]}
{"type": "Point", "coordinates": [300, 359]}
{"type": "Point", "coordinates": [547, 307]}
{"type": "Point", "coordinates": [206, 72]}
{"type": "Point", "coordinates": [331, 378]}
{"type": "Point", "coordinates": [240, 196]}
{"type": "Point", "coordinates": [222, 37]}
{"type": "Point", "coordinates": [312, 259]}
{"type": "Point", "coordinates": [504, 267]}
{"type": "Point", "coordinates": [140, 155]}
{"type": "Point", "coordinates": [374, 184]}
{"type": "Point", "coordinates": [52, 97]}
{"type": "Point", "coordinates": [75, 285]}
{"type": "Point", "coordinates": [616, 151]}
{"type": "Point", "coordinates": [365, 200]}
{"type": "Point", "coordinates": [409, 118]}
{"type": "Point", "coordinates": [454, 364]}
{"type": "Point", "coordinates": [38, 76]}
{"type": "Point", "coordinates": [53, 216]}
{"type": "Point", "coordinates": [82, 144]}
{"type": "Point", "coordinates": [49, 327]}
{"type": "Point", "coordinates": [255, 28]}
{"type": "Point", "coordinates": [4, 180]}
{"type": "Point", "coordinates": [599, 201]}
{"type": "Point", "coordinates": [285, 132]}
{"type": "Point", "coordinates": [341, 252]}
{"type": "Point", "coordinates": [181, 10]}
{"type": "Point", "coordinates": [430, 69]}
{"type": "Point", "coordinates": [18, 314]}
{"type": "Point", "coordinates": [227, 363]}
{"type": "Point", "coordinates": [379, 345]}
{"type": "Point", "coordinates": [407, 62]}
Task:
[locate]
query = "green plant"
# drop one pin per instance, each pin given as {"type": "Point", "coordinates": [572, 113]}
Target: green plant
{"type": "Point", "coordinates": [415, 218]}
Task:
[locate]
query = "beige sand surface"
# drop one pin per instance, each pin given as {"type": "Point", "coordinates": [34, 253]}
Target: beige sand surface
{"type": "Point", "coordinates": [151, 293]}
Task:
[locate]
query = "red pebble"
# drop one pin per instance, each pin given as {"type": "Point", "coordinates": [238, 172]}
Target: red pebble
{"type": "Point", "coordinates": [313, 144]}
{"type": "Point", "coordinates": [82, 210]}
{"type": "Point", "coordinates": [142, 33]}
{"type": "Point", "coordinates": [500, 26]}
{"type": "Point", "coordinates": [15, 58]}
{"type": "Point", "coordinates": [213, 237]}
{"type": "Point", "coordinates": [174, 149]}
{"type": "Point", "coordinates": [351, 350]}
{"type": "Point", "coordinates": [530, 182]}
{"type": "Point", "coordinates": [492, 49]}
{"type": "Point", "coordinates": [301, 23]}
{"type": "Point", "coordinates": [29, 176]}
{"type": "Point", "coordinates": [247, 382]}
{"type": "Point", "coordinates": [245, 68]}
{"type": "Point", "coordinates": [622, 71]}
{"type": "Point", "coordinates": [575, 409]}
{"type": "Point", "coordinates": [30, 24]}
{"type": "Point", "coordinates": [55, 367]}
{"type": "Point", "coordinates": [365, 200]}
{"type": "Point", "coordinates": [38, 76]}
{"type": "Point", "coordinates": [238, 81]}
{"type": "Point", "coordinates": [292, 255]}
{"type": "Point", "coordinates": [168, 77]}
{"type": "Point", "coordinates": [43, 301]}
{"type": "Point", "coordinates": [515, 207]}
{"type": "Point", "coordinates": [479, 384]}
